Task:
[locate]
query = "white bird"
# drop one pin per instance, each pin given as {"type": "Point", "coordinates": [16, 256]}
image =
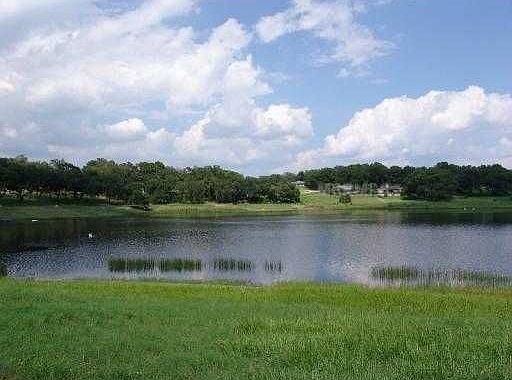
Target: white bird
{"type": "Point", "coordinates": [91, 235]}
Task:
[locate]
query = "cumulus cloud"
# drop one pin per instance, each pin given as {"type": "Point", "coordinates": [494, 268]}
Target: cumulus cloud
{"type": "Point", "coordinates": [282, 120]}
{"type": "Point", "coordinates": [462, 126]}
{"type": "Point", "coordinates": [130, 129]}
{"type": "Point", "coordinates": [353, 44]}
{"type": "Point", "coordinates": [5, 87]}
{"type": "Point", "coordinates": [270, 136]}
{"type": "Point", "coordinates": [85, 81]}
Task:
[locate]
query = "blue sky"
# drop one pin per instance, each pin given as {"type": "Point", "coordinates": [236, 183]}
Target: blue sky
{"type": "Point", "coordinates": [257, 86]}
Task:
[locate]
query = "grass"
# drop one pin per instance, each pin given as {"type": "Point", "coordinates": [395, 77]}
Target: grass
{"type": "Point", "coordinates": [317, 200]}
{"type": "Point", "coordinates": [147, 330]}
{"type": "Point", "coordinates": [311, 202]}
{"type": "Point", "coordinates": [407, 275]}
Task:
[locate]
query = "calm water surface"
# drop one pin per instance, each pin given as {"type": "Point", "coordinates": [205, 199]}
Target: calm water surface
{"type": "Point", "coordinates": [341, 248]}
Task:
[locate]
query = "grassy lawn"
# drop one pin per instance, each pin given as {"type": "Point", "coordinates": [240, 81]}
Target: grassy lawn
{"type": "Point", "coordinates": [144, 330]}
{"type": "Point", "coordinates": [317, 200]}
{"type": "Point", "coordinates": [310, 202]}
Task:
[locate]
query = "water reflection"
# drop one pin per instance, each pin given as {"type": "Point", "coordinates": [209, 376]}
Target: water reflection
{"type": "Point", "coordinates": [341, 248]}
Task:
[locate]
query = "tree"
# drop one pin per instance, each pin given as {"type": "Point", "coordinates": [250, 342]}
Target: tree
{"type": "Point", "coordinates": [430, 184]}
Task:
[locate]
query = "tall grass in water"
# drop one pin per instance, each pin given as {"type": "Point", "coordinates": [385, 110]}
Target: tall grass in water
{"type": "Point", "coordinates": [273, 266]}
{"type": "Point", "coordinates": [176, 265]}
{"type": "Point", "coordinates": [394, 273]}
{"type": "Point", "coordinates": [232, 265]}
{"type": "Point", "coordinates": [406, 275]}
{"type": "Point", "coordinates": [180, 265]}
{"type": "Point", "coordinates": [3, 270]}
{"type": "Point", "coordinates": [131, 265]}
{"type": "Point", "coordinates": [150, 264]}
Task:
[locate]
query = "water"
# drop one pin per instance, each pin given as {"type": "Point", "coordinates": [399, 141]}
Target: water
{"type": "Point", "coordinates": [341, 248]}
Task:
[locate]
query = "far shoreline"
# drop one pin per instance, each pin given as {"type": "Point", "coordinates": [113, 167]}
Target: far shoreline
{"type": "Point", "coordinates": [311, 204]}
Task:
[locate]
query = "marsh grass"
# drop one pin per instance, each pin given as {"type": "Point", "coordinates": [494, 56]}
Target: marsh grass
{"type": "Point", "coordinates": [128, 264]}
{"type": "Point", "coordinates": [224, 265]}
{"type": "Point", "coordinates": [407, 275]}
{"type": "Point", "coordinates": [3, 270]}
{"type": "Point", "coordinates": [273, 266]}
{"type": "Point", "coordinates": [180, 265]}
{"type": "Point", "coordinates": [131, 265]}
{"type": "Point", "coordinates": [395, 273]}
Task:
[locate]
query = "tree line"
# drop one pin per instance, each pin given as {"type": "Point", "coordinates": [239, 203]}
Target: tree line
{"type": "Point", "coordinates": [440, 182]}
{"type": "Point", "coordinates": [139, 184]}
{"type": "Point", "coordinates": [154, 182]}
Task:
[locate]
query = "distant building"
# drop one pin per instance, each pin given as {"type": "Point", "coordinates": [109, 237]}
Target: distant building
{"type": "Point", "coordinates": [388, 190]}
{"type": "Point", "coordinates": [345, 188]}
{"type": "Point", "coordinates": [299, 183]}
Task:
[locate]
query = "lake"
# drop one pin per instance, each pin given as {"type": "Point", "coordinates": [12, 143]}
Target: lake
{"type": "Point", "coordinates": [369, 248]}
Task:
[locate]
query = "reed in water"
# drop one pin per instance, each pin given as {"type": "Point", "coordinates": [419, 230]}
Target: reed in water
{"type": "Point", "coordinates": [410, 275]}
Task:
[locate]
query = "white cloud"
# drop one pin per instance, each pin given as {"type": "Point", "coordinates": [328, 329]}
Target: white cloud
{"type": "Point", "coordinates": [281, 120]}
{"type": "Point", "coordinates": [271, 136]}
{"type": "Point", "coordinates": [353, 44]}
{"type": "Point", "coordinates": [114, 82]}
{"type": "Point", "coordinates": [130, 129]}
{"type": "Point", "coordinates": [6, 87]}
{"type": "Point", "coordinates": [462, 126]}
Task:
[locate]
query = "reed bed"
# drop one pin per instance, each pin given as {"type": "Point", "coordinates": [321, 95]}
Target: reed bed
{"type": "Point", "coordinates": [180, 265]}
{"type": "Point", "coordinates": [131, 265]}
{"type": "Point", "coordinates": [3, 270]}
{"type": "Point", "coordinates": [126, 265]}
{"type": "Point", "coordinates": [273, 266]}
{"type": "Point", "coordinates": [225, 265]}
{"type": "Point", "coordinates": [407, 275]}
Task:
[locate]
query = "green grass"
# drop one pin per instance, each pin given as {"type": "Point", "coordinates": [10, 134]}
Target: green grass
{"type": "Point", "coordinates": [317, 200]}
{"type": "Point", "coordinates": [311, 202]}
{"type": "Point", "coordinates": [145, 330]}
{"type": "Point", "coordinates": [66, 211]}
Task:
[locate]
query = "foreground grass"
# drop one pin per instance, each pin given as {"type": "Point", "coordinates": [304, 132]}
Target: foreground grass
{"type": "Point", "coordinates": [311, 202]}
{"type": "Point", "coordinates": [142, 330]}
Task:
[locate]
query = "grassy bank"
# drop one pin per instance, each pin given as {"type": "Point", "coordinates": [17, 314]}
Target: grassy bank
{"type": "Point", "coordinates": [142, 330]}
{"type": "Point", "coordinates": [311, 202]}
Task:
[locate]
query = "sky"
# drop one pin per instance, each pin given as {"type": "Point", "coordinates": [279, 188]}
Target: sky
{"type": "Point", "coordinates": [257, 86]}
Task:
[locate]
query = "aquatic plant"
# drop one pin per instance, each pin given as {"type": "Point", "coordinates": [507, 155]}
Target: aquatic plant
{"type": "Point", "coordinates": [406, 275]}
{"type": "Point", "coordinates": [395, 273]}
{"type": "Point", "coordinates": [3, 270]}
{"type": "Point", "coordinates": [131, 265]}
{"type": "Point", "coordinates": [180, 265]}
{"type": "Point", "coordinates": [273, 266]}
{"type": "Point", "coordinates": [150, 264]}
{"type": "Point", "coordinates": [222, 264]}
